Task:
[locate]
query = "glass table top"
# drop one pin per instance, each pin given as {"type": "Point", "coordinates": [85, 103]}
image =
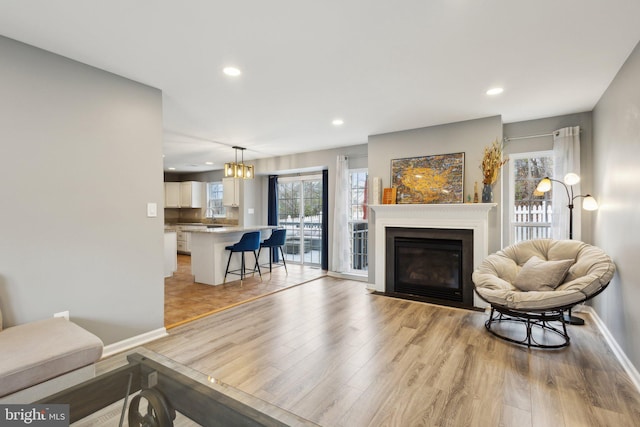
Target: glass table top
{"type": "Point", "coordinates": [148, 389]}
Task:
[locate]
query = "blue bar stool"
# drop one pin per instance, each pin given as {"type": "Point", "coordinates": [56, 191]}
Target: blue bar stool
{"type": "Point", "coordinates": [250, 242]}
{"type": "Point", "coordinates": [276, 240]}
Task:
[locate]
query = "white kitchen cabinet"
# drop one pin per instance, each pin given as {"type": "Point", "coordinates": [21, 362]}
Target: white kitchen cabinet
{"type": "Point", "coordinates": [187, 194]}
{"type": "Point", "coordinates": [190, 194]}
{"type": "Point", "coordinates": [230, 192]}
{"type": "Point", "coordinates": [171, 194]}
{"type": "Point", "coordinates": [170, 253]}
{"type": "Point", "coordinates": [184, 239]}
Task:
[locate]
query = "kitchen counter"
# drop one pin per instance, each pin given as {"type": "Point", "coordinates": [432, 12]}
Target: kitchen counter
{"type": "Point", "coordinates": [209, 256]}
{"type": "Point", "coordinates": [233, 229]}
{"type": "Point", "coordinates": [184, 230]}
{"type": "Point", "coordinates": [183, 227]}
{"type": "Point", "coordinates": [198, 224]}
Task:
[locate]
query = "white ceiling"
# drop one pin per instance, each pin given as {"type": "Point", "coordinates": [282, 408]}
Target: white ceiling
{"type": "Point", "coordinates": [380, 65]}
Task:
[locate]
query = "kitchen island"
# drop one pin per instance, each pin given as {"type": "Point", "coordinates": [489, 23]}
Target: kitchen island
{"type": "Point", "coordinates": [209, 257]}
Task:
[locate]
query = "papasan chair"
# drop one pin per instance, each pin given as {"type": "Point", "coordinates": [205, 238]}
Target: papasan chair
{"type": "Point", "coordinates": [534, 283]}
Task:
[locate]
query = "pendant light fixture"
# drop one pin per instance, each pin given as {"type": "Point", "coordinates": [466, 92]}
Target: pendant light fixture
{"type": "Point", "coordinates": [238, 170]}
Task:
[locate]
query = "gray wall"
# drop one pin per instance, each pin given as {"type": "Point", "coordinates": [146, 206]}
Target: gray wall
{"type": "Point", "coordinates": [546, 126]}
{"type": "Point", "coordinates": [616, 165]}
{"type": "Point", "coordinates": [470, 137]}
{"type": "Point", "coordinates": [82, 156]}
{"type": "Point", "coordinates": [253, 200]}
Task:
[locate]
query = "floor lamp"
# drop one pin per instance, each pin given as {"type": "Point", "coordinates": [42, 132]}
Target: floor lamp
{"type": "Point", "coordinates": [588, 204]}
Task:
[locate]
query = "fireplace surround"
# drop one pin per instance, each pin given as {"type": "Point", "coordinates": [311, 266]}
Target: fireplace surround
{"type": "Point", "coordinates": [462, 216]}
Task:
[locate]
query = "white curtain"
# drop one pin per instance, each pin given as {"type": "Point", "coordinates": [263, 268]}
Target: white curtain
{"type": "Point", "coordinates": [566, 158]}
{"type": "Point", "coordinates": [340, 253]}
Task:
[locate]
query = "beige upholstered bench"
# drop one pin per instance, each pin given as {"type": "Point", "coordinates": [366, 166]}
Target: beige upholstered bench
{"type": "Point", "coordinates": [43, 357]}
{"type": "Point", "coordinates": [536, 281]}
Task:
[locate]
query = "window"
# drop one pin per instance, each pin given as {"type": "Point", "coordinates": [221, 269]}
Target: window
{"type": "Point", "coordinates": [215, 209]}
{"type": "Point", "coordinates": [358, 226]}
{"type": "Point", "coordinates": [529, 212]}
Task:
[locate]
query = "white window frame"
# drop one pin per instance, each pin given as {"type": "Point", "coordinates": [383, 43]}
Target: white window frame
{"type": "Point", "coordinates": [215, 208]}
{"type": "Point", "coordinates": [512, 186]}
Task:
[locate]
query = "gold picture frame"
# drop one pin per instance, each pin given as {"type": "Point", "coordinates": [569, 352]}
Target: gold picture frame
{"type": "Point", "coordinates": [429, 179]}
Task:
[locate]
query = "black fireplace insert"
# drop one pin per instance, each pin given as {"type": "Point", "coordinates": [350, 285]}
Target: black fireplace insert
{"type": "Point", "coordinates": [430, 264]}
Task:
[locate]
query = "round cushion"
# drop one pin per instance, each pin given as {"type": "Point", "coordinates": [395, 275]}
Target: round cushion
{"type": "Point", "coordinates": [590, 273]}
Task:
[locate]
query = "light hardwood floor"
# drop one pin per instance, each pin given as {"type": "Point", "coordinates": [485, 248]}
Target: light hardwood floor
{"type": "Point", "coordinates": [186, 300]}
{"type": "Point", "coordinates": [333, 353]}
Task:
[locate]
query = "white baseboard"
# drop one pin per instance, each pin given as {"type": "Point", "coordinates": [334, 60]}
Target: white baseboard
{"type": "Point", "coordinates": [348, 276]}
{"type": "Point", "coordinates": [613, 344]}
{"type": "Point", "coordinates": [129, 343]}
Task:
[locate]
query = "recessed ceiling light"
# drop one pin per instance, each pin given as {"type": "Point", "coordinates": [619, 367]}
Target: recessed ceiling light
{"type": "Point", "coordinates": [495, 91]}
{"type": "Point", "coordinates": [208, 163]}
{"type": "Point", "coordinates": [171, 169]}
{"type": "Point", "coordinates": [232, 71]}
{"type": "Point", "coordinates": [337, 122]}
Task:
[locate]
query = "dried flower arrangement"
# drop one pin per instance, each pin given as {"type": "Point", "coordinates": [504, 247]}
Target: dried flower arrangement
{"type": "Point", "coordinates": [492, 161]}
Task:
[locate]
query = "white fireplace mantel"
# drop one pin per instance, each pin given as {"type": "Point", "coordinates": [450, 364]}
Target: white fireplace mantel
{"type": "Point", "coordinates": [474, 216]}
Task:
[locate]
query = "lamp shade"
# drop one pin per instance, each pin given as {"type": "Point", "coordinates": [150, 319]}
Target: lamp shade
{"type": "Point", "coordinates": [589, 203]}
{"type": "Point", "coordinates": [571, 178]}
{"type": "Point", "coordinates": [544, 185]}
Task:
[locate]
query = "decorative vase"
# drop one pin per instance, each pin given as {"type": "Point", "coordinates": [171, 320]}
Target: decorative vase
{"type": "Point", "coordinates": [487, 194]}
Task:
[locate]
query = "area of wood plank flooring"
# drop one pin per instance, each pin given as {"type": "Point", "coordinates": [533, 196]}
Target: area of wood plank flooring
{"type": "Point", "coordinates": [333, 353]}
{"type": "Point", "coordinates": [186, 300]}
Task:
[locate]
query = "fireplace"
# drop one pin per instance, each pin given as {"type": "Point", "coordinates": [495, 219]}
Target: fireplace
{"type": "Point", "coordinates": [430, 264]}
{"type": "Point", "coordinates": [473, 217]}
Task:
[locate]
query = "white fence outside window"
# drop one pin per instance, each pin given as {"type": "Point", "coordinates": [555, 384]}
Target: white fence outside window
{"type": "Point", "coordinates": [532, 221]}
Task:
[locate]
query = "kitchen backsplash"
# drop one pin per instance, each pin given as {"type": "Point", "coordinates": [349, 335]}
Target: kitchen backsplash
{"type": "Point", "coordinates": [174, 216]}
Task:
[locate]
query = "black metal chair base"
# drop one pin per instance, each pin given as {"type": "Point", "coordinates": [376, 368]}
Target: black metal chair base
{"type": "Point", "coordinates": [271, 263]}
{"type": "Point", "coordinates": [242, 271]}
{"type": "Point", "coordinates": [532, 322]}
{"type": "Point", "coordinates": [573, 320]}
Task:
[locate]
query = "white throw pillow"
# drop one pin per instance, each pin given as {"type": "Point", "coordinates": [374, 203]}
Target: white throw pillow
{"type": "Point", "coordinates": [540, 275]}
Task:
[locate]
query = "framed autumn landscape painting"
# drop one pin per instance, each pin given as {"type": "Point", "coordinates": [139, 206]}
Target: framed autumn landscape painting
{"type": "Point", "coordinates": [429, 179]}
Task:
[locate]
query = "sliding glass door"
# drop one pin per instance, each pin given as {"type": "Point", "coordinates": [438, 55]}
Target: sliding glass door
{"type": "Point", "coordinates": [300, 213]}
